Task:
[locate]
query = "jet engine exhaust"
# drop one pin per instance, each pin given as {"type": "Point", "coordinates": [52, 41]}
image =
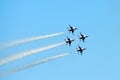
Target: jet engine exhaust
{"type": "Point", "coordinates": [27, 40]}
{"type": "Point", "coordinates": [34, 64]}
{"type": "Point", "coordinates": [15, 57]}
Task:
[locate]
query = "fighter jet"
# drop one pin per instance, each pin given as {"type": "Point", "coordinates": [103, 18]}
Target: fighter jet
{"type": "Point", "coordinates": [72, 29]}
{"type": "Point", "coordinates": [69, 41]}
{"type": "Point", "coordinates": [80, 49]}
{"type": "Point", "coordinates": [82, 37]}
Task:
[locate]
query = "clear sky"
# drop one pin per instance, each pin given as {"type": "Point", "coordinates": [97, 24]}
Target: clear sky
{"type": "Point", "coordinates": [100, 19]}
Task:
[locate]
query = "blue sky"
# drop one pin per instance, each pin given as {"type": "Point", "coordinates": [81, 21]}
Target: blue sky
{"type": "Point", "coordinates": [100, 19]}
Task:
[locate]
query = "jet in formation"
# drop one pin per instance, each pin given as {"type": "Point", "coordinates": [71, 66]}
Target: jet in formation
{"type": "Point", "coordinates": [80, 49]}
{"type": "Point", "coordinates": [82, 37]}
{"type": "Point", "coordinates": [72, 29]}
{"type": "Point", "coordinates": [69, 41]}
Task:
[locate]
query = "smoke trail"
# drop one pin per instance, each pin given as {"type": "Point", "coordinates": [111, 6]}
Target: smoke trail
{"type": "Point", "coordinates": [34, 63]}
{"type": "Point", "coordinates": [27, 53]}
{"type": "Point", "coordinates": [27, 40]}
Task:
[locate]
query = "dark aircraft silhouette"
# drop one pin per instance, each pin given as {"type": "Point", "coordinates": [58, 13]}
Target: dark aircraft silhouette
{"type": "Point", "coordinates": [72, 29]}
{"type": "Point", "coordinates": [69, 41]}
{"type": "Point", "coordinates": [82, 37]}
{"type": "Point", "coordinates": [80, 49]}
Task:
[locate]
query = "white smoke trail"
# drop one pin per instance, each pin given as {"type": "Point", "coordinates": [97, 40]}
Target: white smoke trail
{"type": "Point", "coordinates": [27, 53]}
{"type": "Point", "coordinates": [27, 40]}
{"type": "Point", "coordinates": [34, 63]}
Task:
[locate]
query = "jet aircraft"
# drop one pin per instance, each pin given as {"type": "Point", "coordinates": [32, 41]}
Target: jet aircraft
{"type": "Point", "coordinates": [80, 49]}
{"type": "Point", "coordinates": [72, 29]}
{"type": "Point", "coordinates": [82, 37]}
{"type": "Point", "coordinates": [69, 41]}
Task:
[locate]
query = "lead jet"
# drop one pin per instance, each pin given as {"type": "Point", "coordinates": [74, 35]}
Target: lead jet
{"type": "Point", "coordinates": [80, 49]}
{"type": "Point", "coordinates": [82, 37]}
{"type": "Point", "coordinates": [72, 29]}
{"type": "Point", "coordinates": [69, 41]}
